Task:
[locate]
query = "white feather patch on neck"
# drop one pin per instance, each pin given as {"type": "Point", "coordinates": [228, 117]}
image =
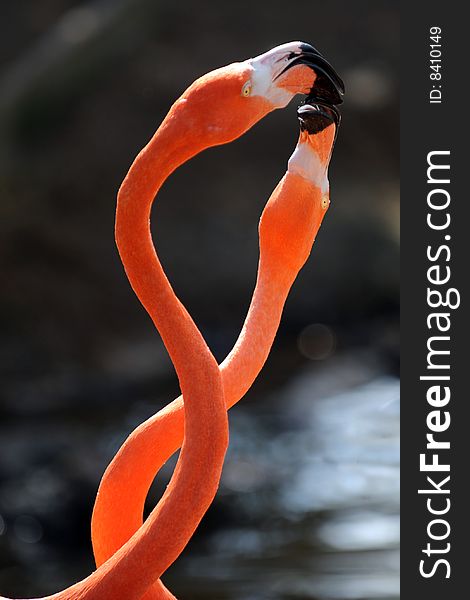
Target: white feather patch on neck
{"type": "Point", "coordinates": [306, 163]}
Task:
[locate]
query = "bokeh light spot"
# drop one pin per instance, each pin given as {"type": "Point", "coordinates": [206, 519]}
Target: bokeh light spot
{"type": "Point", "coordinates": [28, 529]}
{"type": "Point", "coordinates": [317, 341]}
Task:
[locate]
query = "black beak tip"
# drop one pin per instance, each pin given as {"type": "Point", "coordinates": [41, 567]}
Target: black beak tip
{"type": "Point", "coordinates": [308, 49]}
{"type": "Point", "coordinates": [314, 118]}
{"type": "Point", "coordinates": [328, 86]}
{"type": "Point", "coordinates": [324, 90]}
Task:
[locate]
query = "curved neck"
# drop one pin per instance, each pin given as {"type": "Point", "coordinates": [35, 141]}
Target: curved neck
{"type": "Point", "coordinates": [196, 477]}
{"type": "Point", "coordinates": [244, 362]}
{"type": "Point", "coordinates": [288, 227]}
{"type": "Point", "coordinates": [295, 203]}
{"type": "Point", "coordinates": [139, 563]}
{"type": "Point", "coordinates": [169, 148]}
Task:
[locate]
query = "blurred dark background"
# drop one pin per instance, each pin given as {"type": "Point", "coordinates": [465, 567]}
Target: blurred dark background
{"type": "Point", "coordinates": [308, 505]}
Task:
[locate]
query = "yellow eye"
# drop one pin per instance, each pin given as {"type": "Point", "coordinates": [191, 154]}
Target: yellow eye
{"type": "Point", "coordinates": [246, 89]}
{"type": "Point", "coordinates": [325, 202]}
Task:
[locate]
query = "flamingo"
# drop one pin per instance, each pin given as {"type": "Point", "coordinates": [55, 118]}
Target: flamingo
{"type": "Point", "coordinates": [133, 469]}
{"type": "Point", "coordinates": [216, 109]}
{"type": "Point", "coordinates": [288, 227]}
{"type": "Point", "coordinates": [287, 230]}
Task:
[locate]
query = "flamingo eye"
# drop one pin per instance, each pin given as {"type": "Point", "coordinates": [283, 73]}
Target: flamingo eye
{"type": "Point", "coordinates": [325, 202]}
{"type": "Point", "coordinates": [246, 89]}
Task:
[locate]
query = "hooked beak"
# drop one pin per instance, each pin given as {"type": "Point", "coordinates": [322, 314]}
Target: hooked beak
{"type": "Point", "coordinates": [295, 68]}
{"type": "Point", "coordinates": [327, 86]}
{"type": "Point", "coordinates": [314, 118]}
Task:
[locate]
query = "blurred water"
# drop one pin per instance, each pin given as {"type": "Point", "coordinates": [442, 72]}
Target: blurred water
{"type": "Point", "coordinates": [314, 482]}
{"type": "Point", "coordinates": [307, 508]}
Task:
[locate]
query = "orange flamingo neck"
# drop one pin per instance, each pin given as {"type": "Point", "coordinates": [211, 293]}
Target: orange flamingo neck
{"type": "Point", "coordinates": [150, 551]}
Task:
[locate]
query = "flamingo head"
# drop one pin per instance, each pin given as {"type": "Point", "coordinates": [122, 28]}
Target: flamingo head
{"type": "Point", "coordinates": [295, 68]}
{"type": "Point", "coordinates": [225, 103]}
